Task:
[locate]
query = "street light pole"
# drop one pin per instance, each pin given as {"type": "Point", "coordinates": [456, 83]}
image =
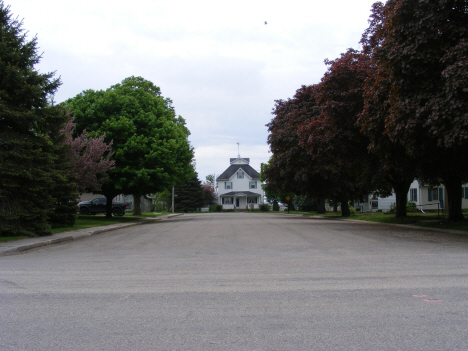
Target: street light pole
{"type": "Point", "coordinates": [172, 199]}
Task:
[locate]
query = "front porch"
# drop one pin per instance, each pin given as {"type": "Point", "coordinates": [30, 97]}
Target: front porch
{"type": "Point", "coordinates": [240, 201]}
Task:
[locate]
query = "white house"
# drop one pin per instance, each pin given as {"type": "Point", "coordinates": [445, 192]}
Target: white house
{"type": "Point", "coordinates": [239, 186]}
{"type": "Point", "coordinates": [426, 197]}
{"type": "Point", "coordinates": [375, 202]}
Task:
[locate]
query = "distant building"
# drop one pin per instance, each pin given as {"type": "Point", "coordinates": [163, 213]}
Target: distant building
{"type": "Point", "coordinates": [239, 186]}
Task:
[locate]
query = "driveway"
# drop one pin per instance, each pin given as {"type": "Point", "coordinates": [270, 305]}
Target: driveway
{"type": "Point", "coordinates": [240, 281]}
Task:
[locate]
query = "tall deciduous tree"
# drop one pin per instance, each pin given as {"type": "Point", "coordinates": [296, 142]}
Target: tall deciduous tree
{"type": "Point", "coordinates": [291, 170]}
{"type": "Point", "coordinates": [422, 53]}
{"type": "Point", "coordinates": [150, 143]}
{"type": "Point", "coordinates": [394, 164]}
{"type": "Point", "coordinates": [333, 140]}
{"type": "Point", "coordinates": [35, 189]}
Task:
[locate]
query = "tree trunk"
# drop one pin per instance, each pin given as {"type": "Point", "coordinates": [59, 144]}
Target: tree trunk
{"type": "Point", "coordinates": [109, 205]}
{"type": "Point", "coordinates": [453, 186]}
{"type": "Point", "coordinates": [335, 205]}
{"type": "Point", "coordinates": [345, 207]}
{"type": "Point", "coordinates": [136, 204]}
{"type": "Point", "coordinates": [321, 206]}
{"type": "Point", "coordinates": [401, 194]}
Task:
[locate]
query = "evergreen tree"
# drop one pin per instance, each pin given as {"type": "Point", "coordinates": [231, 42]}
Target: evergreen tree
{"type": "Point", "coordinates": [32, 168]}
{"type": "Point", "coordinates": [190, 196]}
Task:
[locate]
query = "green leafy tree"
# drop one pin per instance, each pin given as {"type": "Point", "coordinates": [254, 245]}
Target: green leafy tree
{"type": "Point", "coordinates": [35, 189]}
{"type": "Point", "coordinates": [150, 143]}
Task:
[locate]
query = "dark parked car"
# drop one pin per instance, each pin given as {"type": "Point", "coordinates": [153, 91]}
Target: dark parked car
{"type": "Point", "coordinates": [98, 205]}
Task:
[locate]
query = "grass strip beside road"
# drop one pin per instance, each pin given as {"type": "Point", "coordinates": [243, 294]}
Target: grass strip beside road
{"type": "Point", "coordinates": [88, 221]}
{"type": "Point", "coordinates": [429, 220]}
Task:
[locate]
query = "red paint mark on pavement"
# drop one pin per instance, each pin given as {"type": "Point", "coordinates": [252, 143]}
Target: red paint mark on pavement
{"type": "Point", "coordinates": [427, 300]}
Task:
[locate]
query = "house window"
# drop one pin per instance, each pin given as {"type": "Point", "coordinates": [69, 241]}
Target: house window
{"type": "Point", "coordinates": [228, 185]}
{"type": "Point", "coordinates": [435, 194]}
{"type": "Point", "coordinates": [253, 185]}
{"type": "Point", "coordinates": [414, 195]}
{"type": "Point", "coordinates": [252, 200]}
{"type": "Point", "coordinates": [227, 200]}
{"type": "Point", "coordinates": [240, 175]}
{"type": "Point", "coordinates": [465, 192]}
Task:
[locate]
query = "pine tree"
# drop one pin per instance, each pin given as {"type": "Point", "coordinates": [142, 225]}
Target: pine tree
{"type": "Point", "coordinates": [190, 196]}
{"type": "Point", "coordinates": [34, 185]}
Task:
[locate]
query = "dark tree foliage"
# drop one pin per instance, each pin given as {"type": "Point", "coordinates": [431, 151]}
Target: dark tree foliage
{"type": "Point", "coordinates": [209, 194]}
{"type": "Point", "coordinates": [35, 189]}
{"type": "Point", "coordinates": [190, 195]}
{"type": "Point", "coordinates": [421, 49]}
{"type": "Point", "coordinates": [291, 170]}
{"type": "Point", "coordinates": [395, 166]}
{"type": "Point", "coordinates": [333, 140]}
{"type": "Point", "coordinates": [272, 194]}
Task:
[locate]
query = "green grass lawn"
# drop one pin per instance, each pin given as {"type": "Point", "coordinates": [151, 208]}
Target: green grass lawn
{"type": "Point", "coordinates": [431, 220]}
{"type": "Point", "coordinates": [88, 221]}
{"type": "Point", "coordinates": [83, 222]}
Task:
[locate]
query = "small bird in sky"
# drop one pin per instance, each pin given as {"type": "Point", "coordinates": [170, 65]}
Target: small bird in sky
{"type": "Point", "coordinates": [266, 22]}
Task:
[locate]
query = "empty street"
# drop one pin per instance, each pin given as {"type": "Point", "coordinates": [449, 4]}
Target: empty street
{"type": "Point", "coordinates": [240, 281]}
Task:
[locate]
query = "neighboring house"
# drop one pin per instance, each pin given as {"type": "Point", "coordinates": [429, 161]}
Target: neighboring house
{"type": "Point", "coordinates": [375, 202]}
{"type": "Point", "coordinates": [426, 197]}
{"type": "Point", "coordinates": [239, 186]}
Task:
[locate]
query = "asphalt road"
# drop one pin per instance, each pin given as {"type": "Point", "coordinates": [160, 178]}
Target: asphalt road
{"type": "Point", "coordinates": [240, 282]}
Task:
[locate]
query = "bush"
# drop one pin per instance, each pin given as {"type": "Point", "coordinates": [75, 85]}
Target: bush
{"type": "Point", "coordinates": [352, 210]}
{"type": "Point", "coordinates": [392, 207]}
{"type": "Point", "coordinates": [411, 207]}
{"type": "Point", "coordinates": [264, 207]}
{"type": "Point", "coordinates": [216, 208]}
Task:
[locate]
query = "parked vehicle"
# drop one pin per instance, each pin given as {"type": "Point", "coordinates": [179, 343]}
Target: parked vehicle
{"type": "Point", "coordinates": [98, 205]}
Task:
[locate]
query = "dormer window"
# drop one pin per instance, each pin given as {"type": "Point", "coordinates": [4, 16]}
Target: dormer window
{"type": "Point", "coordinates": [240, 175]}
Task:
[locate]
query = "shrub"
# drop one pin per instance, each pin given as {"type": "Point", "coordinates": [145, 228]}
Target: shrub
{"type": "Point", "coordinates": [264, 207]}
{"type": "Point", "coordinates": [352, 210]}
{"type": "Point", "coordinates": [411, 207]}
{"type": "Point", "coordinates": [216, 208]}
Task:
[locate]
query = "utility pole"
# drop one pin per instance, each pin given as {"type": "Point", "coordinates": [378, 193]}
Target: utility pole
{"type": "Point", "coordinates": [173, 199]}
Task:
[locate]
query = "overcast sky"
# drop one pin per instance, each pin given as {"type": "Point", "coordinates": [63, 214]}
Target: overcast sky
{"type": "Point", "coordinates": [218, 61]}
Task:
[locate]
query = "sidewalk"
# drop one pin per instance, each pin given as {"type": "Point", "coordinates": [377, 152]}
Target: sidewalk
{"type": "Point", "coordinates": [18, 246]}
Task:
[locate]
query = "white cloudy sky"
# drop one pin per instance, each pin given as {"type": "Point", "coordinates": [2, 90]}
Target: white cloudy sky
{"type": "Point", "coordinates": [220, 64]}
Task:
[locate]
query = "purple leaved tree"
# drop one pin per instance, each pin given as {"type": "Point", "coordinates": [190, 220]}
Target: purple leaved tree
{"type": "Point", "coordinates": [90, 158]}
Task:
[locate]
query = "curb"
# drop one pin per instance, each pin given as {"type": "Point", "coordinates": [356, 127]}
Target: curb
{"type": "Point", "coordinates": [18, 248]}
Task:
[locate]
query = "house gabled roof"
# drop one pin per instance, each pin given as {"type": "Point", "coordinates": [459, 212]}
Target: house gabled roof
{"type": "Point", "coordinates": [232, 169]}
